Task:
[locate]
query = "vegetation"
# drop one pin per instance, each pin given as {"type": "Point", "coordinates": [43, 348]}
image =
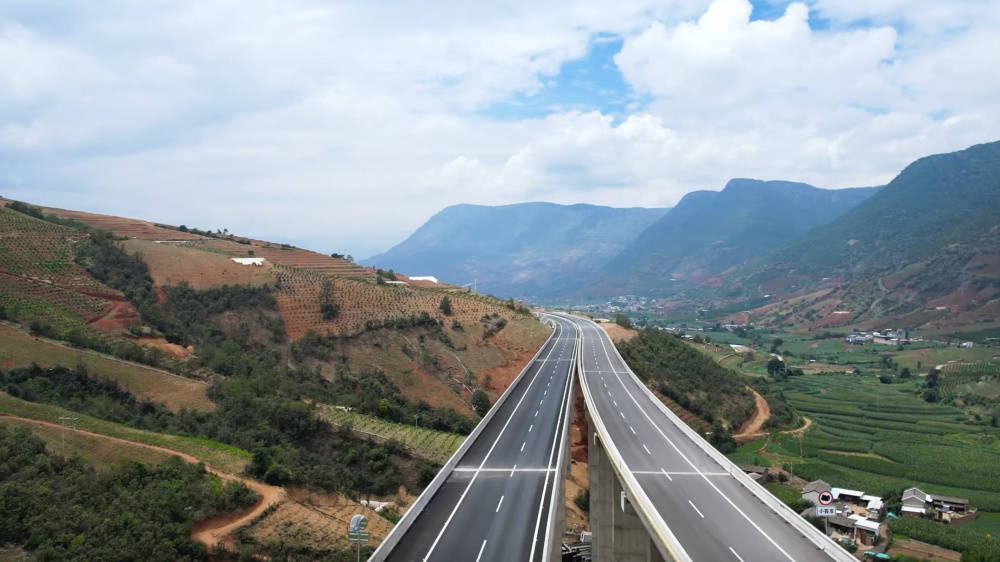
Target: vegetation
{"type": "Point", "coordinates": [63, 509]}
{"type": "Point", "coordinates": [690, 378]}
{"type": "Point", "coordinates": [431, 444]}
{"type": "Point", "coordinates": [582, 500]}
{"type": "Point", "coordinates": [480, 402]}
{"type": "Point", "coordinates": [973, 545]}
{"type": "Point", "coordinates": [445, 306]}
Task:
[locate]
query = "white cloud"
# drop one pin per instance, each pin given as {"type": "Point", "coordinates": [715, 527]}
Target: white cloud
{"type": "Point", "coordinates": [347, 124]}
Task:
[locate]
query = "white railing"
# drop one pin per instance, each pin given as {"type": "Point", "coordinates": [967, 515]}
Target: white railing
{"type": "Point", "coordinates": [806, 529]}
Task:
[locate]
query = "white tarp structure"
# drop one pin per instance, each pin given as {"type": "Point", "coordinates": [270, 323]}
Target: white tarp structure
{"type": "Point", "coordinates": [249, 261]}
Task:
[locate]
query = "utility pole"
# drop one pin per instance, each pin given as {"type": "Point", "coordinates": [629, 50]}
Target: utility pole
{"type": "Point", "coordinates": [415, 416]}
{"type": "Point", "coordinates": [63, 421]}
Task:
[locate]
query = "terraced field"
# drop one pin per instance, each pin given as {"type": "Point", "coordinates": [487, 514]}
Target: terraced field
{"type": "Point", "coordinates": [880, 437]}
{"type": "Point", "coordinates": [436, 446]}
{"type": "Point", "coordinates": [173, 264]}
{"type": "Point", "coordinates": [125, 227]}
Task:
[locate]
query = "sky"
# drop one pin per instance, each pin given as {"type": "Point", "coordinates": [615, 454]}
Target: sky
{"type": "Point", "coordinates": [343, 126]}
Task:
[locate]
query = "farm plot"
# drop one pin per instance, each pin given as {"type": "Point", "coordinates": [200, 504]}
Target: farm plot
{"type": "Point", "coordinates": [882, 437]}
{"type": "Point", "coordinates": [433, 445]}
{"type": "Point", "coordinates": [121, 226]}
{"type": "Point", "coordinates": [361, 302]}
{"type": "Point", "coordinates": [292, 257]}
{"type": "Point", "coordinates": [173, 264]}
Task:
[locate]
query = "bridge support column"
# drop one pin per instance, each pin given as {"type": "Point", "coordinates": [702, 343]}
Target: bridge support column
{"type": "Point", "coordinates": [618, 534]}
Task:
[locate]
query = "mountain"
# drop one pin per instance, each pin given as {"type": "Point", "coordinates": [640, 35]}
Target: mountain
{"type": "Point", "coordinates": [526, 250]}
{"type": "Point", "coordinates": [709, 232]}
{"type": "Point", "coordinates": [928, 243]}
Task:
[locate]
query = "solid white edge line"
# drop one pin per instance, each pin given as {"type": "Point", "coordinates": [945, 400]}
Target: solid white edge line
{"type": "Point", "coordinates": [485, 458]}
{"type": "Point", "coordinates": [558, 437]}
{"type": "Point", "coordinates": [686, 459]}
{"type": "Point", "coordinates": [738, 557]}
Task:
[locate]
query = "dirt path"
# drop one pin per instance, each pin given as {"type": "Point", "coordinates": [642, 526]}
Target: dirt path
{"type": "Point", "coordinates": [761, 414]}
{"type": "Point", "coordinates": [214, 530]}
{"type": "Point", "coordinates": [747, 437]}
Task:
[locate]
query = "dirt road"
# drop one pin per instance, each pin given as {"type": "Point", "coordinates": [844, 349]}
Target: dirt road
{"type": "Point", "coordinates": [754, 423]}
{"type": "Point", "coordinates": [214, 530]}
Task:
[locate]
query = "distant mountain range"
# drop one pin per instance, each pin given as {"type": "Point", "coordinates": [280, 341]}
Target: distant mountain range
{"type": "Point", "coordinates": [926, 247]}
{"type": "Point", "coordinates": [526, 250]}
{"type": "Point", "coordinates": [709, 232]}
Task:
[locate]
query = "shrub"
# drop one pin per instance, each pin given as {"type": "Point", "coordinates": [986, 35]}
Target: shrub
{"type": "Point", "coordinates": [480, 402]}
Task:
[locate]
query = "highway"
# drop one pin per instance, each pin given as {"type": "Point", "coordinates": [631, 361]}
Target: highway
{"type": "Point", "coordinates": [712, 515]}
{"type": "Point", "coordinates": [494, 504]}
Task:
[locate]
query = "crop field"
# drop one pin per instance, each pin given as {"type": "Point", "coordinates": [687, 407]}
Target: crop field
{"type": "Point", "coordinates": [433, 445]}
{"type": "Point", "coordinates": [299, 298]}
{"type": "Point", "coordinates": [173, 264]}
{"type": "Point", "coordinates": [318, 524]}
{"type": "Point", "coordinates": [880, 437]}
{"type": "Point", "coordinates": [290, 257]}
{"type": "Point", "coordinates": [18, 349]}
{"type": "Point", "coordinates": [125, 227]}
{"type": "Point", "coordinates": [220, 455]}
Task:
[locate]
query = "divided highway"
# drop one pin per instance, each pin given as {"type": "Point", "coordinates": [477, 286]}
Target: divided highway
{"type": "Point", "coordinates": [710, 512]}
{"type": "Point", "coordinates": [494, 501]}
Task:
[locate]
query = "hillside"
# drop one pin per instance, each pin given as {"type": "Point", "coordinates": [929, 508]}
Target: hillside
{"type": "Point", "coordinates": [924, 250]}
{"type": "Point", "coordinates": [157, 334]}
{"type": "Point", "coordinates": [709, 232]}
{"type": "Point", "coordinates": [527, 250]}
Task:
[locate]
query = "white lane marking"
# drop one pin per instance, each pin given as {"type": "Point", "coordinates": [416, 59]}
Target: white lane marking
{"type": "Point", "coordinates": [512, 471]}
{"type": "Point", "coordinates": [738, 557]}
{"type": "Point", "coordinates": [677, 473]}
{"type": "Point", "coordinates": [689, 501]}
{"type": "Point", "coordinates": [499, 503]}
{"type": "Point", "coordinates": [615, 402]}
{"type": "Point", "coordinates": [522, 446]}
{"type": "Point", "coordinates": [633, 429]}
{"type": "Point", "coordinates": [530, 427]}
{"type": "Point", "coordinates": [536, 413]}
{"type": "Point", "coordinates": [540, 401]}
{"type": "Point", "coordinates": [503, 469]}
{"type": "Point", "coordinates": [481, 551]}
{"type": "Point", "coordinates": [686, 459]}
{"type": "Point", "coordinates": [647, 449]}
{"type": "Point", "coordinates": [560, 421]}
{"type": "Point", "coordinates": [468, 487]}
{"type": "Point", "coordinates": [667, 474]}
{"type": "Point", "coordinates": [622, 414]}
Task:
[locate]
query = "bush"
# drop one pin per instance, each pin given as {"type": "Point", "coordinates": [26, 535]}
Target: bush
{"type": "Point", "coordinates": [480, 402]}
{"type": "Point", "coordinates": [582, 500]}
{"type": "Point", "coordinates": [445, 306]}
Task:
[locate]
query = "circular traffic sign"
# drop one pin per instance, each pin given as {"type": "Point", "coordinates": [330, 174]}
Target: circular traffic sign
{"type": "Point", "coordinates": [825, 497]}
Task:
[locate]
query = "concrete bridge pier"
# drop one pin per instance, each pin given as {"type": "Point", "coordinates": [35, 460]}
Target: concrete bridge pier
{"type": "Point", "coordinates": [618, 533]}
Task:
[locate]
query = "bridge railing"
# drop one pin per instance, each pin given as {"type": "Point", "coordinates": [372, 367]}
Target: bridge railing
{"type": "Point", "coordinates": [806, 529]}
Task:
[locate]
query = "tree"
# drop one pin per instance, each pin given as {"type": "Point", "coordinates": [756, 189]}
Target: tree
{"type": "Point", "coordinates": [776, 344]}
{"type": "Point", "coordinates": [623, 321]}
{"type": "Point", "coordinates": [445, 306]}
{"type": "Point", "coordinates": [480, 402]}
{"type": "Point", "coordinates": [905, 373]}
{"type": "Point", "coordinates": [775, 367]}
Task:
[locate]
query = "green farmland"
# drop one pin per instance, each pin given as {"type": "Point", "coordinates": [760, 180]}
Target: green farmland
{"type": "Point", "coordinates": [433, 445]}
{"type": "Point", "coordinates": [884, 437]}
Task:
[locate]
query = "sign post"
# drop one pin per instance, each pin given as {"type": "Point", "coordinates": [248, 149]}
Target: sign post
{"type": "Point", "coordinates": [356, 532]}
{"type": "Point", "coordinates": [824, 509]}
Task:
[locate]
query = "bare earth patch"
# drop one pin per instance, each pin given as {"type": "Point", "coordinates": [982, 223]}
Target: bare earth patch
{"type": "Point", "coordinates": [618, 333]}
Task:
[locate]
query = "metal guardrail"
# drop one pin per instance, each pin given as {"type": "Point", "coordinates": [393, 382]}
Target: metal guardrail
{"type": "Point", "coordinates": [820, 539]}
{"type": "Point", "coordinates": [404, 524]}
{"type": "Point", "coordinates": [668, 545]}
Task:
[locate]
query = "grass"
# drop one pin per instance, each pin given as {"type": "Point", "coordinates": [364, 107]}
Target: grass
{"type": "Point", "coordinates": [219, 455]}
{"type": "Point", "coordinates": [433, 445]}
{"type": "Point", "coordinates": [99, 451]}
{"type": "Point", "coordinates": [785, 493]}
{"type": "Point", "coordinates": [18, 348]}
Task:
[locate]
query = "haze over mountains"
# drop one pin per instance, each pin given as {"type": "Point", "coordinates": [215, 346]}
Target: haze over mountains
{"type": "Point", "coordinates": [526, 250]}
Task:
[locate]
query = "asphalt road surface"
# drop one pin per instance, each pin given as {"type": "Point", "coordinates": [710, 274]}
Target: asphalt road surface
{"type": "Point", "coordinates": [494, 506]}
{"type": "Point", "coordinates": [713, 516]}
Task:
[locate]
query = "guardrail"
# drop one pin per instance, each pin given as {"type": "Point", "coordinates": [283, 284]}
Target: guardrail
{"type": "Point", "coordinates": [668, 544]}
{"type": "Point", "coordinates": [404, 524]}
{"type": "Point", "coordinates": [820, 539]}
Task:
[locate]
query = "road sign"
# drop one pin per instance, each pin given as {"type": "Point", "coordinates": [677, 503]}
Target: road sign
{"type": "Point", "coordinates": [358, 523]}
{"type": "Point", "coordinates": [361, 536]}
{"type": "Point", "coordinates": [825, 497]}
{"type": "Point", "coordinates": [826, 511]}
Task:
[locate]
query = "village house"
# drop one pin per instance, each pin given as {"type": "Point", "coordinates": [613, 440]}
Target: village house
{"type": "Point", "coordinates": [950, 509]}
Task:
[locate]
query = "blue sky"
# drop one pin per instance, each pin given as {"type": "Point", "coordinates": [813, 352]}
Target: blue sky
{"type": "Point", "coordinates": [344, 125]}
